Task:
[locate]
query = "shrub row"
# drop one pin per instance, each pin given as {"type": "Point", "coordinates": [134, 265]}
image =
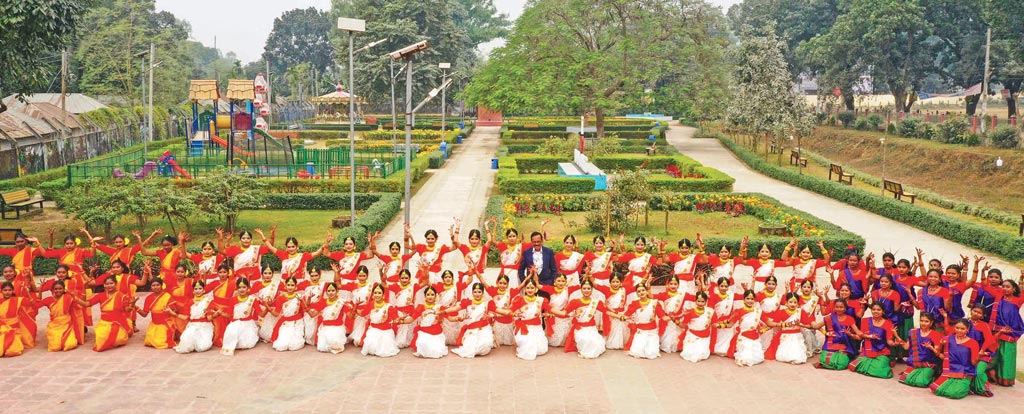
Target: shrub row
{"type": "Point", "coordinates": [510, 182]}
{"type": "Point", "coordinates": [380, 209]}
{"type": "Point", "coordinates": [713, 181]}
{"type": "Point", "coordinates": [836, 237]}
{"type": "Point", "coordinates": [975, 235]}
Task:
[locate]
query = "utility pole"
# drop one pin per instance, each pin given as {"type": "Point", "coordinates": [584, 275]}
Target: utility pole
{"type": "Point", "coordinates": [63, 105]}
{"type": "Point", "coordinates": [149, 131]}
{"type": "Point", "coordinates": [984, 84]}
{"type": "Point", "coordinates": [269, 100]}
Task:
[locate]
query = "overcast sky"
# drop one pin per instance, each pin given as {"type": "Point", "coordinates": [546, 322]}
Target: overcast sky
{"type": "Point", "coordinates": [209, 20]}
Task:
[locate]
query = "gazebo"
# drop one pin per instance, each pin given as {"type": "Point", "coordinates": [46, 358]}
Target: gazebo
{"type": "Point", "coordinates": [336, 102]}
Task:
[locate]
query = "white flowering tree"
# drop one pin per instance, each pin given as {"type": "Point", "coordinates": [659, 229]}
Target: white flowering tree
{"type": "Point", "coordinates": [764, 103]}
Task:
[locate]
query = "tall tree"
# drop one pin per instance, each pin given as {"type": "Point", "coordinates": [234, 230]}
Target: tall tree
{"type": "Point", "coordinates": [582, 56]}
{"type": "Point", "coordinates": [763, 100]}
{"type": "Point", "coordinates": [1006, 18]}
{"type": "Point", "coordinates": [117, 33]}
{"type": "Point", "coordinates": [30, 32]}
{"type": "Point", "coordinates": [453, 28]}
{"type": "Point", "coordinates": [300, 36]}
{"type": "Point", "coordinates": [890, 40]}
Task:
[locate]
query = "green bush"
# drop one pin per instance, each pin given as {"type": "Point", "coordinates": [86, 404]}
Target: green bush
{"type": "Point", "coordinates": [953, 131]}
{"type": "Point", "coordinates": [529, 185]}
{"type": "Point", "coordinates": [436, 159]}
{"type": "Point", "coordinates": [908, 128]}
{"type": "Point", "coordinates": [51, 190]}
{"type": "Point", "coordinates": [875, 120]}
{"type": "Point", "coordinates": [891, 129]}
{"type": "Point", "coordinates": [861, 124]}
{"type": "Point", "coordinates": [1005, 137]}
{"type": "Point", "coordinates": [713, 181]}
{"type": "Point", "coordinates": [975, 235]}
{"type": "Point", "coordinates": [846, 117]}
{"type": "Point", "coordinates": [925, 131]}
{"type": "Point", "coordinates": [972, 140]}
{"type": "Point", "coordinates": [318, 201]}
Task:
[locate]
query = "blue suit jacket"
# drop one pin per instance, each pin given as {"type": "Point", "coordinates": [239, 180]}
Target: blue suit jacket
{"type": "Point", "coordinates": [548, 270]}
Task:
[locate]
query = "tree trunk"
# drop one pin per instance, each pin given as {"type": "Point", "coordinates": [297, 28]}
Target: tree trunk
{"type": "Point", "coordinates": [599, 114]}
{"type": "Point", "coordinates": [900, 98]}
{"type": "Point", "coordinates": [972, 104]}
{"type": "Point", "coordinates": [229, 222]}
{"type": "Point", "coordinates": [848, 99]}
{"type": "Point", "coordinates": [1013, 87]}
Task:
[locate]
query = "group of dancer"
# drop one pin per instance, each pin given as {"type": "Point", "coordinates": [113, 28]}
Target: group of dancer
{"type": "Point", "coordinates": [223, 296]}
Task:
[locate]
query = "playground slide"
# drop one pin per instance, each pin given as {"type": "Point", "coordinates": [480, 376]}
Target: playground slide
{"type": "Point", "coordinates": [174, 164]}
{"type": "Point", "coordinates": [220, 141]}
{"type": "Point", "coordinates": [147, 168]}
{"type": "Point", "coordinates": [270, 138]}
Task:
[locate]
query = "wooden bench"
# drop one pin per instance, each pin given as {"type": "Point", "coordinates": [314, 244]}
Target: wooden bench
{"type": "Point", "coordinates": [842, 177]}
{"type": "Point", "coordinates": [17, 201]}
{"type": "Point", "coordinates": [897, 191]}
{"type": "Point", "coordinates": [652, 150]}
{"type": "Point", "coordinates": [795, 158]}
{"type": "Point", "coordinates": [345, 172]}
{"type": "Point", "coordinates": [7, 236]}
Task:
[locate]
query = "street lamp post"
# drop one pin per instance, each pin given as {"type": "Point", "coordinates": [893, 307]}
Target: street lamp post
{"type": "Point", "coordinates": [444, 77]}
{"type": "Point", "coordinates": [407, 53]}
{"type": "Point", "coordinates": [351, 26]}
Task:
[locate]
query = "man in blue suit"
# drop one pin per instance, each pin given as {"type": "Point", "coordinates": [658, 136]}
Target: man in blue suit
{"type": "Point", "coordinates": [539, 259]}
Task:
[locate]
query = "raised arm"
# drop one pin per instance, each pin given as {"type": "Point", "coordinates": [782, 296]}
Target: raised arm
{"type": "Point", "coordinates": [142, 246]}
{"type": "Point", "coordinates": [789, 248]}
{"type": "Point", "coordinates": [825, 255]}
{"type": "Point", "coordinates": [268, 243]}
{"type": "Point", "coordinates": [220, 239]}
{"type": "Point", "coordinates": [743, 248]}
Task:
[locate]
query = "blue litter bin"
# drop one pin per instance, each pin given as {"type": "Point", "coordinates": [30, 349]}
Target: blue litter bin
{"type": "Point", "coordinates": [458, 139]}
{"type": "Point", "coordinates": [462, 125]}
{"type": "Point", "coordinates": [444, 149]}
{"type": "Point", "coordinates": [651, 138]}
{"type": "Point", "coordinates": [494, 163]}
{"type": "Point", "coordinates": [310, 168]}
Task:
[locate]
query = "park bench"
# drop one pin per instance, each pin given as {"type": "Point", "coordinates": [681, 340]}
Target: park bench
{"type": "Point", "coordinates": [652, 150]}
{"type": "Point", "coordinates": [7, 236]}
{"type": "Point", "coordinates": [795, 158]}
{"type": "Point", "coordinates": [17, 201]}
{"type": "Point", "coordinates": [345, 172]}
{"type": "Point", "coordinates": [400, 148]}
{"type": "Point", "coordinates": [842, 177]}
{"type": "Point", "coordinates": [897, 191]}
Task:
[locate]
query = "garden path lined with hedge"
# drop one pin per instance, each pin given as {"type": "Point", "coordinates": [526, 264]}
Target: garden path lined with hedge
{"type": "Point", "coordinates": [460, 189]}
{"type": "Point", "coordinates": [881, 234]}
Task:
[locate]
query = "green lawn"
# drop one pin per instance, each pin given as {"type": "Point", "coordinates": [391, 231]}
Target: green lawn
{"type": "Point", "coordinates": [309, 226]}
{"type": "Point", "coordinates": [681, 224]}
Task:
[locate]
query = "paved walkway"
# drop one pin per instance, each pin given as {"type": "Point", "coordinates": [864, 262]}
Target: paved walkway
{"type": "Point", "coordinates": [460, 189]}
{"type": "Point", "coordinates": [136, 379]}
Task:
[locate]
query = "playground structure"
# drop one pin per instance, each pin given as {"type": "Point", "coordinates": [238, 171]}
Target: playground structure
{"type": "Point", "coordinates": [246, 140]}
{"type": "Point", "coordinates": [230, 132]}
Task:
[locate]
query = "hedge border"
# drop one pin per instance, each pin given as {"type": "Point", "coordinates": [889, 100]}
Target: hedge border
{"type": "Point", "coordinates": [974, 235]}
{"type": "Point", "coordinates": [380, 209]}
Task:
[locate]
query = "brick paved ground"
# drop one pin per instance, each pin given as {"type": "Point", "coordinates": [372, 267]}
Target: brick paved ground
{"type": "Point", "coordinates": [138, 379]}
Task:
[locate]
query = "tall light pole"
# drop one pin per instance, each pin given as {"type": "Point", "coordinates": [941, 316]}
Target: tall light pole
{"type": "Point", "coordinates": [444, 77]}
{"type": "Point", "coordinates": [149, 131]}
{"type": "Point", "coordinates": [394, 110]}
{"type": "Point", "coordinates": [407, 53]}
{"type": "Point", "coordinates": [351, 26]}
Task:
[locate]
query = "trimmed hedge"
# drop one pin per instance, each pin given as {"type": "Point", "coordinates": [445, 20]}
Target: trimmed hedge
{"type": "Point", "coordinates": [510, 182]}
{"type": "Point", "coordinates": [975, 235]}
{"type": "Point", "coordinates": [380, 209]}
{"type": "Point", "coordinates": [837, 238]}
{"type": "Point", "coordinates": [317, 201]}
{"type": "Point", "coordinates": [713, 181]}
